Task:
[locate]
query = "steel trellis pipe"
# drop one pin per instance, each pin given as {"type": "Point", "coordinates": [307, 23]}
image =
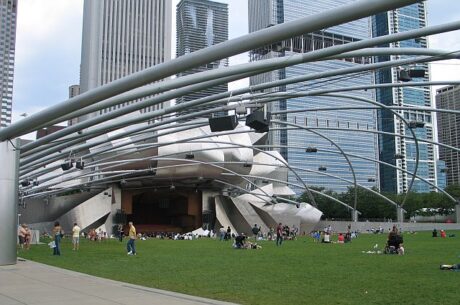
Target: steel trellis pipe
{"type": "Point", "coordinates": [248, 42]}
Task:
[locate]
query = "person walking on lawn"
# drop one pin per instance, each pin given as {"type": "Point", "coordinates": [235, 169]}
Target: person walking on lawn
{"type": "Point", "coordinates": [132, 237]}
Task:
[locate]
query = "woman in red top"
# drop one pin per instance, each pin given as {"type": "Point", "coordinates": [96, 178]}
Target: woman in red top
{"type": "Point", "coordinates": [341, 238]}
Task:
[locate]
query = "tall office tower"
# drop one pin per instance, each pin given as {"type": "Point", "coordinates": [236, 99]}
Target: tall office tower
{"type": "Point", "coordinates": [201, 24]}
{"type": "Point", "coordinates": [400, 151]}
{"type": "Point", "coordinates": [449, 131]}
{"type": "Point", "coordinates": [347, 128]}
{"type": "Point", "coordinates": [8, 17]}
{"type": "Point", "coordinates": [121, 37]}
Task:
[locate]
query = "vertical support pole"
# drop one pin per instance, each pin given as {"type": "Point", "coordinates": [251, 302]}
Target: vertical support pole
{"type": "Point", "coordinates": [9, 157]}
{"type": "Point", "coordinates": [399, 214]}
{"type": "Point", "coordinates": [457, 212]}
{"type": "Point", "coordinates": [354, 215]}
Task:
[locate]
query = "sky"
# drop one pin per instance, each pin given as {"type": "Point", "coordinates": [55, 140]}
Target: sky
{"type": "Point", "coordinates": [48, 48]}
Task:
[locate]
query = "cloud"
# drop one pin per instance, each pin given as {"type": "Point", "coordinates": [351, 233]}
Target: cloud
{"type": "Point", "coordinates": [45, 25]}
{"type": "Point", "coordinates": [48, 47]}
{"type": "Point", "coordinates": [439, 14]}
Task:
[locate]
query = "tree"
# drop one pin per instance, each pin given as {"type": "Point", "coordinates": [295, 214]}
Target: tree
{"type": "Point", "coordinates": [330, 208]}
{"type": "Point", "coordinates": [373, 206]}
{"type": "Point", "coordinates": [369, 204]}
{"type": "Point", "coordinates": [453, 190]}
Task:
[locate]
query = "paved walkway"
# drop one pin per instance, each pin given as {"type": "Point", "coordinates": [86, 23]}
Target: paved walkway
{"type": "Point", "coordinates": [32, 283]}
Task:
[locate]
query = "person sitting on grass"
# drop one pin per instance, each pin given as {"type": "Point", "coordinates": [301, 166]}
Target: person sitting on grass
{"type": "Point", "coordinates": [401, 249]}
{"type": "Point", "coordinates": [240, 241]}
{"type": "Point", "coordinates": [454, 267]}
{"type": "Point", "coordinates": [394, 242]}
{"type": "Point", "coordinates": [250, 245]}
{"type": "Point", "coordinates": [326, 238]}
{"type": "Point", "coordinates": [341, 238]}
{"type": "Point", "coordinates": [443, 234]}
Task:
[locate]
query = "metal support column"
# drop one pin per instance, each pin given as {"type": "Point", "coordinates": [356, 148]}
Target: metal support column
{"type": "Point", "coordinates": [400, 214]}
{"type": "Point", "coordinates": [9, 157]}
{"type": "Point", "coordinates": [457, 212]}
{"type": "Point", "coordinates": [354, 215]}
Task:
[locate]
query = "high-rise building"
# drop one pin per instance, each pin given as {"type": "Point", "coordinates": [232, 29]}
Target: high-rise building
{"type": "Point", "coordinates": [123, 37]}
{"type": "Point", "coordinates": [401, 151]}
{"type": "Point", "coordinates": [8, 17]}
{"type": "Point", "coordinates": [449, 131]}
{"type": "Point", "coordinates": [201, 24]}
{"type": "Point", "coordinates": [347, 128]}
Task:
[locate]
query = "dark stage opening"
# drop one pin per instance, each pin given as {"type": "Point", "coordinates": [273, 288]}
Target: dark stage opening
{"type": "Point", "coordinates": [162, 212]}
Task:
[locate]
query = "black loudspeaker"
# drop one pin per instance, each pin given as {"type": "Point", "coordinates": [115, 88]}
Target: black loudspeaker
{"type": "Point", "coordinates": [258, 121]}
{"type": "Point", "coordinates": [223, 123]}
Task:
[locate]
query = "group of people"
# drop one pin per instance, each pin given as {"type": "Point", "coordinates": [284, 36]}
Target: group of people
{"type": "Point", "coordinates": [58, 234]}
{"type": "Point", "coordinates": [242, 242]}
{"type": "Point", "coordinates": [225, 234]}
{"type": "Point", "coordinates": [98, 235]}
{"type": "Point", "coordinates": [442, 233]}
{"type": "Point", "coordinates": [326, 237]}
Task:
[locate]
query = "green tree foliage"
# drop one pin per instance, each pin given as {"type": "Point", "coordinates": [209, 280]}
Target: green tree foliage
{"type": "Point", "coordinates": [329, 207]}
{"type": "Point", "coordinates": [369, 204]}
{"type": "Point", "coordinates": [454, 190]}
{"type": "Point", "coordinates": [373, 206]}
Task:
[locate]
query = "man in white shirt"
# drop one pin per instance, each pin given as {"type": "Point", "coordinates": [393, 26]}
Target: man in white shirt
{"type": "Point", "coordinates": [75, 236]}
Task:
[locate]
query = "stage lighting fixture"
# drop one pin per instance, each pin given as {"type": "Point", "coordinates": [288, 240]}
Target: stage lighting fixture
{"type": "Point", "coordinates": [403, 76]}
{"type": "Point", "coordinates": [68, 164]}
{"type": "Point", "coordinates": [25, 182]}
{"type": "Point", "coordinates": [416, 124]}
{"type": "Point", "coordinates": [189, 156]}
{"type": "Point", "coordinates": [80, 164]}
{"type": "Point", "coordinates": [311, 149]}
{"type": "Point", "coordinates": [322, 168]}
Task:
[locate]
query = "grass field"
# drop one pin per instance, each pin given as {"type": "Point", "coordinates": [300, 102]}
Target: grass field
{"type": "Point", "coordinates": [298, 272]}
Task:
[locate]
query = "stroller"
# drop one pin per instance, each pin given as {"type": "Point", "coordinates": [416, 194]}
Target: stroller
{"type": "Point", "coordinates": [393, 244]}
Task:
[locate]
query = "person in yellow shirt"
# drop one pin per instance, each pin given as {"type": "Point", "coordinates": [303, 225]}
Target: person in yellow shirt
{"type": "Point", "coordinates": [132, 237]}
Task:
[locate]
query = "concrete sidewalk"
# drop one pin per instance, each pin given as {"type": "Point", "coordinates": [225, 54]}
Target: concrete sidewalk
{"type": "Point", "coordinates": [32, 283]}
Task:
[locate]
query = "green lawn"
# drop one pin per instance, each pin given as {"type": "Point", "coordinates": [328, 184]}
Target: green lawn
{"type": "Point", "coordinates": [299, 272]}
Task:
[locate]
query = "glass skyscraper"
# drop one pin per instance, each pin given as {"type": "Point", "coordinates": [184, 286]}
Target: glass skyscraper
{"type": "Point", "coordinates": [8, 17]}
{"type": "Point", "coordinates": [350, 129]}
{"type": "Point", "coordinates": [449, 131]}
{"type": "Point", "coordinates": [396, 150]}
{"type": "Point", "coordinates": [201, 24]}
